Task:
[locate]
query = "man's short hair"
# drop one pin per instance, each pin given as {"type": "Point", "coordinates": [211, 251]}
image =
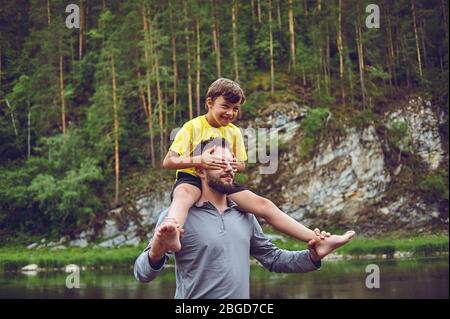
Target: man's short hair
{"type": "Point", "coordinates": [230, 90]}
{"type": "Point", "coordinates": [208, 144]}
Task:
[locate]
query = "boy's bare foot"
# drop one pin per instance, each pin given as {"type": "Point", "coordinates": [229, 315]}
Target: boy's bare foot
{"type": "Point", "coordinates": [325, 246]}
{"type": "Point", "coordinates": [170, 234]}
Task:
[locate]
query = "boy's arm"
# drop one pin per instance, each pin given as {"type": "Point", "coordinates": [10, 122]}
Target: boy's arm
{"type": "Point", "coordinates": [205, 160]}
{"type": "Point", "coordinates": [175, 161]}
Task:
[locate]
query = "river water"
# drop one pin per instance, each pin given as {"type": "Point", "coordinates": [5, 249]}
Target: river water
{"type": "Point", "coordinates": [407, 278]}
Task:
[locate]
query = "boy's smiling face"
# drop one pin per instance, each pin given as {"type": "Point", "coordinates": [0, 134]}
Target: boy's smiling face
{"type": "Point", "coordinates": [221, 112]}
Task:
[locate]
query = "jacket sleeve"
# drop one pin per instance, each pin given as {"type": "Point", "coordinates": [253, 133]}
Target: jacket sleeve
{"type": "Point", "coordinates": [276, 259]}
{"type": "Point", "coordinates": [143, 271]}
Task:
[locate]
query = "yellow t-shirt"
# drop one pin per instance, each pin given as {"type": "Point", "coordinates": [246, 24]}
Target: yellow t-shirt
{"type": "Point", "coordinates": [197, 130]}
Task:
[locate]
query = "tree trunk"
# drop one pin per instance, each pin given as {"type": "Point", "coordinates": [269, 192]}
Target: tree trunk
{"type": "Point", "coordinates": [279, 15]}
{"type": "Point", "coordinates": [116, 131]}
{"type": "Point", "coordinates": [253, 19]}
{"type": "Point", "coordinates": [13, 121]}
{"type": "Point", "coordinates": [322, 70]}
{"type": "Point", "coordinates": [235, 54]}
{"type": "Point", "coordinates": [82, 24]}
{"type": "Point", "coordinates": [166, 113]}
{"type": "Point", "coordinates": [350, 79]}
{"type": "Point", "coordinates": [160, 108]}
{"type": "Point", "coordinates": [1, 74]}
{"type": "Point", "coordinates": [61, 93]}
{"type": "Point", "coordinates": [49, 12]}
{"type": "Point", "coordinates": [341, 53]}
{"type": "Point", "coordinates": [416, 35]}
{"type": "Point", "coordinates": [424, 47]}
{"type": "Point", "coordinates": [174, 64]}
{"type": "Point", "coordinates": [215, 30]}
{"type": "Point", "coordinates": [148, 83]}
{"type": "Point", "coordinates": [444, 15]}
{"type": "Point", "coordinates": [406, 61]}
{"type": "Point", "coordinates": [305, 4]}
{"type": "Point", "coordinates": [29, 134]}
{"type": "Point", "coordinates": [272, 72]}
{"type": "Point", "coordinates": [141, 92]}
{"type": "Point", "coordinates": [359, 45]}
{"type": "Point", "coordinates": [198, 65]}
{"type": "Point", "coordinates": [72, 53]}
{"type": "Point", "coordinates": [188, 56]}
{"type": "Point", "coordinates": [391, 51]}
{"type": "Point", "coordinates": [259, 11]}
{"type": "Point", "coordinates": [327, 62]}
{"type": "Point", "coordinates": [292, 34]}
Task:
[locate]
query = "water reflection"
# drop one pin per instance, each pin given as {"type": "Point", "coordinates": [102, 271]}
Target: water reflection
{"type": "Point", "coordinates": [413, 278]}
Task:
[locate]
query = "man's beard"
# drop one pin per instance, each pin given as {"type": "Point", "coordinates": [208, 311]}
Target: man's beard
{"type": "Point", "coordinates": [218, 185]}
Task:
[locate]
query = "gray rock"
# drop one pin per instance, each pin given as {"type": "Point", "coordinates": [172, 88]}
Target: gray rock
{"type": "Point", "coordinates": [51, 244]}
{"type": "Point", "coordinates": [59, 247]}
{"type": "Point", "coordinates": [33, 245]}
{"type": "Point", "coordinates": [107, 244]}
{"type": "Point", "coordinates": [82, 243]}
{"type": "Point", "coordinates": [31, 267]}
{"type": "Point", "coordinates": [119, 240]}
{"type": "Point", "coordinates": [424, 130]}
{"type": "Point", "coordinates": [134, 241]}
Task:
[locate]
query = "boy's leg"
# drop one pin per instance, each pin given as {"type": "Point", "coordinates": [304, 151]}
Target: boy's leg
{"type": "Point", "coordinates": [249, 202]}
{"type": "Point", "coordinates": [262, 207]}
{"type": "Point", "coordinates": [184, 196]}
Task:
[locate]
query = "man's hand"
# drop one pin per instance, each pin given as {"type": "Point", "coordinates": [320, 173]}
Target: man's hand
{"type": "Point", "coordinates": [312, 250]}
{"type": "Point", "coordinates": [321, 234]}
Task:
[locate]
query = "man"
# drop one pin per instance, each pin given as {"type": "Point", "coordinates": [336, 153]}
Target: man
{"type": "Point", "coordinates": [217, 242]}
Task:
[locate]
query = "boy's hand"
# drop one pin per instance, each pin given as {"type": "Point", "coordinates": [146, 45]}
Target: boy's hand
{"type": "Point", "coordinates": [322, 234]}
{"type": "Point", "coordinates": [234, 163]}
{"type": "Point", "coordinates": [210, 161]}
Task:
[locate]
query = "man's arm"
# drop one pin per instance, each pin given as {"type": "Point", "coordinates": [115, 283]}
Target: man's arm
{"type": "Point", "coordinates": [280, 260]}
{"type": "Point", "coordinates": [152, 260]}
{"type": "Point", "coordinates": [146, 268]}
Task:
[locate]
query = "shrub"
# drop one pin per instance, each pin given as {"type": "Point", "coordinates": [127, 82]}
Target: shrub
{"type": "Point", "coordinates": [312, 127]}
{"type": "Point", "coordinates": [436, 185]}
{"type": "Point", "coordinates": [399, 135]}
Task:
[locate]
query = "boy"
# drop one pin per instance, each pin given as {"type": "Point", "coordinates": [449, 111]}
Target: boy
{"type": "Point", "coordinates": [223, 101]}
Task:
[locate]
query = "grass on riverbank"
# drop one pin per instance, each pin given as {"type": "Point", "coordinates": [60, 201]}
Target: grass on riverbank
{"type": "Point", "coordinates": [13, 258]}
{"type": "Point", "coordinates": [418, 245]}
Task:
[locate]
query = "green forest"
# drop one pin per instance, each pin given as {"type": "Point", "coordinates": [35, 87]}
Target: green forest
{"type": "Point", "coordinates": [86, 112]}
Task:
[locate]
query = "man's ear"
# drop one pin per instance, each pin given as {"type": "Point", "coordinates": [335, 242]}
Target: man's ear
{"type": "Point", "coordinates": [200, 171]}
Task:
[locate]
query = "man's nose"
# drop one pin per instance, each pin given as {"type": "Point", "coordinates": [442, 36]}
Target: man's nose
{"type": "Point", "coordinates": [228, 167]}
